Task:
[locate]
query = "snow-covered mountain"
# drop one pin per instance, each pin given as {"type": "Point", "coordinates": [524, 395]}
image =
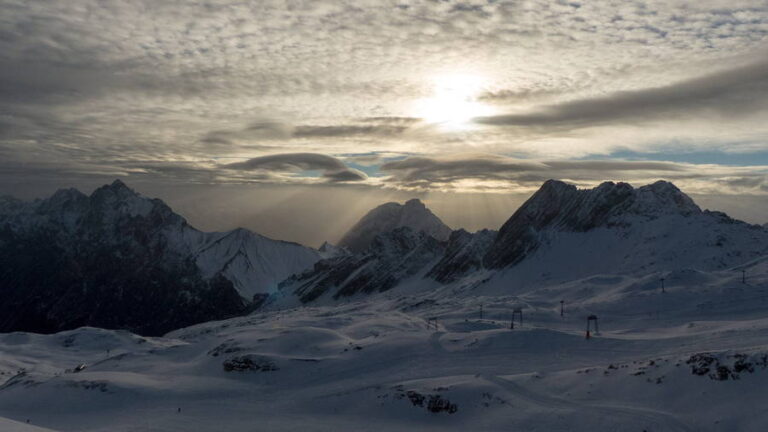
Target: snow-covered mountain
{"type": "Point", "coordinates": [255, 264]}
{"type": "Point", "coordinates": [117, 246]}
{"type": "Point", "coordinates": [564, 233]}
{"type": "Point", "coordinates": [463, 255]}
{"type": "Point", "coordinates": [117, 259]}
{"type": "Point", "coordinates": [387, 217]}
{"type": "Point", "coordinates": [436, 350]}
{"type": "Point", "coordinates": [558, 206]}
{"type": "Point", "coordinates": [561, 233]}
{"type": "Point", "coordinates": [392, 258]}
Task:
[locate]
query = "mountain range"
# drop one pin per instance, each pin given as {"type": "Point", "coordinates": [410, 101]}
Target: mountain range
{"type": "Point", "coordinates": [117, 259]}
{"type": "Point", "coordinates": [560, 233]}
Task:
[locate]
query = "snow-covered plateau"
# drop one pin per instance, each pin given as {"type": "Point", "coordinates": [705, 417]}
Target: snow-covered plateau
{"type": "Point", "coordinates": [692, 358]}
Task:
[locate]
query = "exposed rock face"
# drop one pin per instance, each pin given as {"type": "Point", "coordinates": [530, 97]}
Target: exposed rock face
{"type": "Point", "coordinates": [116, 259]}
{"type": "Point", "coordinates": [561, 233]}
{"type": "Point", "coordinates": [249, 363]}
{"type": "Point", "coordinates": [391, 258]}
{"type": "Point", "coordinates": [563, 207]}
{"type": "Point", "coordinates": [387, 217]}
{"type": "Point", "coordinates": [328, 250]}
{"type": "Point", "coordinates": [463, 255]}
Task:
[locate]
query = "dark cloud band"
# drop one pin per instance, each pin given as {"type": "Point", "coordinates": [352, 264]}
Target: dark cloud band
{"type": "Point", "coordinates": [333, 170]}
{"type": "Point", "coordinates": [736, 91]}
{"type": "Point", "coordinates": [505, 172]}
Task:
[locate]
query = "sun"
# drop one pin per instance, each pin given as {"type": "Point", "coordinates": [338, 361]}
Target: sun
{"type": "Point", "coordinates": [454, 102]}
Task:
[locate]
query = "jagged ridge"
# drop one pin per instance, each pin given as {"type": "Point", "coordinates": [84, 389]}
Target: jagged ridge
{"type": "Point", "coordinates": [116, 259]}
{"type": "Point", "coordinates": [560, 206]}
{"type": "Point", "coordinates": [392, 257]}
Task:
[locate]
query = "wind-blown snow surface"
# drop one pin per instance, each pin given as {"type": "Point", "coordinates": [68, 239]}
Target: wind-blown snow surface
{"type": "Point", "coordinates": [692, 358]}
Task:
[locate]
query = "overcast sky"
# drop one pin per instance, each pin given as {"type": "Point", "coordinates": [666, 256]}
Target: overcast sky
{"type": "Point", "coordinates": [293, 118]}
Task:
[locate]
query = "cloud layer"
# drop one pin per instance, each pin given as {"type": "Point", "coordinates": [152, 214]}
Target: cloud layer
{"type": "Point", "coordinates": [727, 94]}
{"type": "Point", "coordinates": [332, 93]}
{"type": "Point", "coordinates": [333, 170]}
{"type": "Point", "coordinates": [494, 173]}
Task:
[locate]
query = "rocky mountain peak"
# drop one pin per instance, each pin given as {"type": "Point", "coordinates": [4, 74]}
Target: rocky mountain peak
{"type": "Point", "coordinates": [144, 267]}
{"type": "Point", "coordinates": [563, 207]}
{"type": "Point", "coordinates": [67, 194]}
{"type": "Point", "coordinates": [328, 250]}
{"type": "Point", "coordinates": [117, 187]}
{"type": "Point", "coordinates": [415, 203]}
{"type": "Point", "coordinates": [390, 216]}
{"type": "Point", "coordinates": [117, 200]}
{"type": "Point", "coordinates": [64, 199]}
{"type": "Point", "coordinates": [665, 197]}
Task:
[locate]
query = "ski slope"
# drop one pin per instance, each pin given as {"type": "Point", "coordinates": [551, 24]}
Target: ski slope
{"type": "Point", "coordinates": [374, 363]}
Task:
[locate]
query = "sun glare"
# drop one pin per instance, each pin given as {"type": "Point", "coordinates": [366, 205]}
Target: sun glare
{"type": "Point", "coordinates": [453, 102]}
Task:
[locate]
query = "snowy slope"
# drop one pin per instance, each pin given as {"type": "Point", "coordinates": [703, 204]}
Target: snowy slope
{"type": "Point", "coordinates": [560, 234]}
{"type": "Point", "coordinates": [437, 356]}
{"type": "Point", "coordinates": [690, 359]}
{"type": "Point", "coordinates": [7, 425]}
{"type": "Point", "coordinates": [701, 242]}
{"type": "Point", "coordinates": [560, 207]}
{"type": "Point", "coordinates": [387, 217]}
{"type": "Point", "coordinates": [393, 258]}
{"type": "Point", "coordinates": [254, 263]}
{"type": "Point", "coordinates": [643, 230]}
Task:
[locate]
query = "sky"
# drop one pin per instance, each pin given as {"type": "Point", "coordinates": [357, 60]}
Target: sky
{"type": "Point", "coordinates": [293, 118]}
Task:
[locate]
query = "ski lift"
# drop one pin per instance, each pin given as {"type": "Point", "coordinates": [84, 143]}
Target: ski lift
{"type": "Point", "coordinates": [589, 325]}
{"type": "Point", "coordinates": [515, 312]}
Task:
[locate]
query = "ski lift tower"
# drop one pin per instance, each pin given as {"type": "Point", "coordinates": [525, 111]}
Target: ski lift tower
{"type": "Point", "coordinates": [516, 312]}
{"type": "Point", "coordinates": [590, 319]}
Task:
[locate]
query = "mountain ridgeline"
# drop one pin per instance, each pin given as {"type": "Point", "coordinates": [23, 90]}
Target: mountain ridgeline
{"type": "Point", "coordinates": [558, 234]}
{"type": "Point", "coordinates": [562, 207]}
{"type": "Point", "coordinates": [117, 259]}
{"type": "Point", "coordinates": [390, 216]}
